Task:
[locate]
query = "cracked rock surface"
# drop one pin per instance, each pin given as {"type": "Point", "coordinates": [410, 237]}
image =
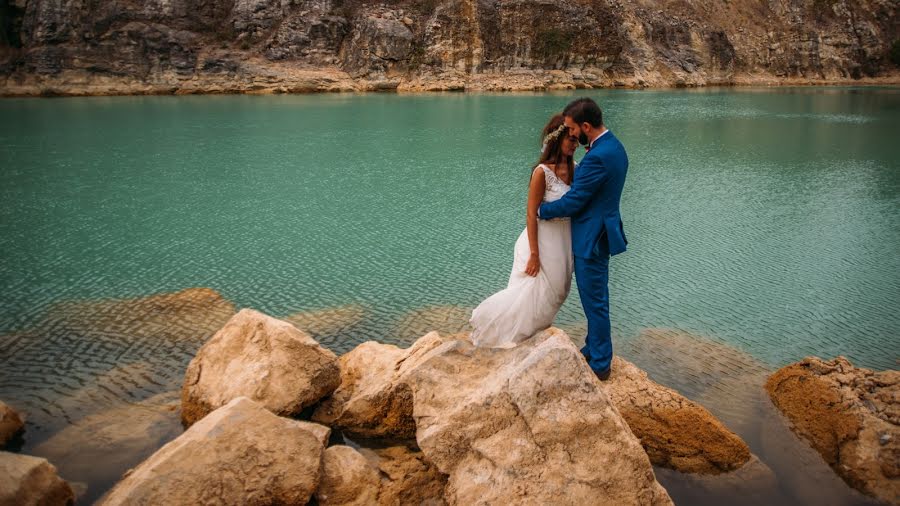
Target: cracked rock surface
{"type": "Point", "coordinates": [527, 425]}
{"type": "Point", "coordinates": [240, 453]}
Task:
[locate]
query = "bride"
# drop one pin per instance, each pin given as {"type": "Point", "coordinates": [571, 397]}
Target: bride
{"type": "Point", "coordinates": [542, 265]}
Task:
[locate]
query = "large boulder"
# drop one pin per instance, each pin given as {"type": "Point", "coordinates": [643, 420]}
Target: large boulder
{"type": "Point", "coordinates": [239, 454]}
{"type": "Point", "coordinates": [260, 357]}
{"type": "Point", "coordinates": [26, 480]}
{"type": "Point", "coordinates": [527, 425]}
{"type": "Point", "coordinates": [113, 440]}
{"type": "Point", "coordinates": [11, 424]}
{"type": "Point", "coordinates": [850, 415]}
{"type": "Point", "coordinates": [347, 479]}
{"type": "Point", "coordinates": [374, 398]}
{"type": "Point", "coordinates": [676, 432]}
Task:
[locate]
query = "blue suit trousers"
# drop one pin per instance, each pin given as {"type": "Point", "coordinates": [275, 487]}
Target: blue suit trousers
{"type": "Point", "coordinates": [592, 277]}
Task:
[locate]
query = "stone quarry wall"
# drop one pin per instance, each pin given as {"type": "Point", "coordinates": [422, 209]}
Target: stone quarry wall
{"type": "Point", "coordinates": [189, 46]}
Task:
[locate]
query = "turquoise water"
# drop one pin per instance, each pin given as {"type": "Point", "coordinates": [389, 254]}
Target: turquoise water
{"type": "Point", "coordinates": [765, 219]}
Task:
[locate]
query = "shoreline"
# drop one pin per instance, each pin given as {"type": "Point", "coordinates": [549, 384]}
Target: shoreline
{"type": "Point", "coordinates": [326, 82]}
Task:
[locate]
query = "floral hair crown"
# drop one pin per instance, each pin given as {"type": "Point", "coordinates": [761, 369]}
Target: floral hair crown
{"type": "Point", "coordinates": [553, 136]}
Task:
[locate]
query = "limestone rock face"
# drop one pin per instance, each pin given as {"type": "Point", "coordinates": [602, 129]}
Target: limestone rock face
{"type": "Point", "coordinates": [11, 423]}
{"type": "Point", "coordinates": [195, 46]}
{"type": "Point", "coordinates": [850, 415]}
{"type": "Point", "coordinates": [380, 44]}
{"type": "Point", "coordinates": [527, 425]}
{"type": "Point", "coordinates": [31, 480]}
{"type": "Point", "coordinates": [265, 359]}
{"type": "Point", "coordinates": [676, 432]}
{"type": "Point", "coordinates": [239, 454]}
{"type": "Point", "coordinates": [347, 479]}
{"type": "Point", "coordinates": [374, 398]}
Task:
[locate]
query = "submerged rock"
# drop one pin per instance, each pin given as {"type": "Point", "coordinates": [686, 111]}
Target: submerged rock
{"type": "Point", "coordinates": [329, 322]}
{"type": "Point", "coordinates": [260, 357]}
{"type": "Point", "coordinates": [99, 447]}
{"type": "Point", "coordinates": [676, 432]}
{"type": "Point", "coordinates": [239, 454]}
{"type": "Point", "coordinates": [11, 424]}
{"type": "Point", "coordinates": [347, 478]}
{"type": "Point", "coordinates": [31, 480]}
{"type": "Point", "coordinates": [87, 356]}
{"type": "Point", "coordinates": [688, 362]}
{"type": "Point", "coordinates": [448, 320]}
{"type": "Point", "coordinates": [850, 415]}
{"type": "Point", "coordinates": [374, 398]}
{"type": "Point", "coordinates": [527, 425]}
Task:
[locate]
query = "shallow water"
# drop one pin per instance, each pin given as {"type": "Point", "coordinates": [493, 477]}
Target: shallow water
{"type": "Point", "coordinates": [765, 221]}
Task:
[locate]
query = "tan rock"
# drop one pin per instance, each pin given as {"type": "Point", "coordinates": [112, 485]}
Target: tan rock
{"type": "Point", "coordinates": [407, 477]}
{"type": "Point", "coordinates": [527, 425]}
{"type": "Point", "coordinates": [100, 447]}
{"type": "Point", "coordinates": [676, 432]}
{"type": "Point", "coordinates": [11, 424]}
{"type": "Point", "coordinates": [239, 454]}
{"type": "Point", "coordinates": [347, 479]}
{"type": "Point", "coordinates": [260, 357]}
{"type": "Point", "coordinates": [850, 415]}
{"type": "Point", "coordinates": [26, 480]}
{"type": "Point", "coordinates": [374, 398]}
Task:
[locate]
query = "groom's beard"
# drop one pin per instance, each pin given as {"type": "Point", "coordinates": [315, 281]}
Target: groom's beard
{"type": "Point", "coordinates": [583, 139]}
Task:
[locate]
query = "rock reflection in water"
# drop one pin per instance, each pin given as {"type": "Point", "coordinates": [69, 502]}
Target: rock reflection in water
{"type": "Point", "coordinates": [97, 449]}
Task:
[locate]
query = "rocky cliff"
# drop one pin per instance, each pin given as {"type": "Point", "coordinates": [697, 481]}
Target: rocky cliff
{"type": "Point", "coordinates": [197, 46]}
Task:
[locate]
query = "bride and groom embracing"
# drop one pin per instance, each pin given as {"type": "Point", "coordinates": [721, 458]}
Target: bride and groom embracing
{"type": "Point", "coordinates": [572, 211]}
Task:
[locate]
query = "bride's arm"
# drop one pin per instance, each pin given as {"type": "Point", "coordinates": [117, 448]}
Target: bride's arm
{"type": "Point", "coordinates": [535, 196]}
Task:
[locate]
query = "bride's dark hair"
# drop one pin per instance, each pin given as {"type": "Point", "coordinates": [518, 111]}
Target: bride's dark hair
{"type": "Point", "coordinates": [552, 152]}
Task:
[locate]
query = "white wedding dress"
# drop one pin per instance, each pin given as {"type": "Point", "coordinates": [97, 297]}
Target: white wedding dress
{"type": "Point", "coordinates": [529, 304]}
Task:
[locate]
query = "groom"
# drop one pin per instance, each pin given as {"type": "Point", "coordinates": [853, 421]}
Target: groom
{"type": "Point", "coordinates": [597, 233]}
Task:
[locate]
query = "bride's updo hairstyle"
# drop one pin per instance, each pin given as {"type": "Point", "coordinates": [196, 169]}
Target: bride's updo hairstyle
{"type": "Point", "coordinates": [552, 140]}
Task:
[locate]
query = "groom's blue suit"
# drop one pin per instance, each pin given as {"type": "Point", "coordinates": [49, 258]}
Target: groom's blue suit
{"type": "Point", "coordinates": [597, 233]}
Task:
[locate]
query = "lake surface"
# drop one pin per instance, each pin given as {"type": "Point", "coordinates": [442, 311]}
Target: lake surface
{"type": "Point", "coordinates": [765, 220]}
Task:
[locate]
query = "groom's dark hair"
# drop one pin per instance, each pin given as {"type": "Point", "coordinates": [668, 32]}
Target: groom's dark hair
{"type": "Point", "coordinates": [584, 110]}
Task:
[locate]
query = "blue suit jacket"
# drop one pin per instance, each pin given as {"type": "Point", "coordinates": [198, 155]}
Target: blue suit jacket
{"type": "Point", "coordinates": [593, 200]}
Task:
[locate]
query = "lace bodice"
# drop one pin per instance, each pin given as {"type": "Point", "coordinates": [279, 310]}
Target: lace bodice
{"type": "Point", "coordinates": [556, 188]}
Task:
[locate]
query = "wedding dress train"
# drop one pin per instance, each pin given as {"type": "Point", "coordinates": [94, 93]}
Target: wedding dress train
{"type": "Point", "coordinates": [529, 304]}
